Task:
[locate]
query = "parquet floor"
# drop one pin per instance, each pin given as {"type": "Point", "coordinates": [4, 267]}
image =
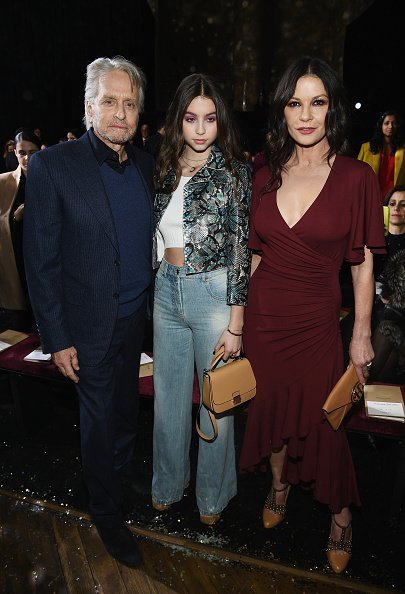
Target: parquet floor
{"type": "Point", "coordinates": [46, 548]}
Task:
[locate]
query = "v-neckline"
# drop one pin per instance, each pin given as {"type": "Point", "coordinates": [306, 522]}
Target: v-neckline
{"type": "Point", "coordinates": [315, 200]}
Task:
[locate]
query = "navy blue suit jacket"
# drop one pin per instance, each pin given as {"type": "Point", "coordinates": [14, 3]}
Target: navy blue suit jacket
{"type": "Point", "coordinates": [71, 249]}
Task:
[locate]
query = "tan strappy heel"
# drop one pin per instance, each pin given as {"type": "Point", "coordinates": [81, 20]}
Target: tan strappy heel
{"type": "Point", "coordinates": [273, 513]}
{"type": "Point", "coordinates": [339, 551]}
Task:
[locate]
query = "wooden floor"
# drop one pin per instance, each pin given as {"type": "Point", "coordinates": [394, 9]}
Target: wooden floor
{"type": "Point", "coordinates": [45, 548]}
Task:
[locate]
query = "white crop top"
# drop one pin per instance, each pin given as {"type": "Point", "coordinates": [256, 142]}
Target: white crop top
{"type": "Point", "coordinates": [170, 229]}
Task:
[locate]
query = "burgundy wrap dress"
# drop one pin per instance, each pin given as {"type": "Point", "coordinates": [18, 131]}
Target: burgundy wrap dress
{"type": "Point", "coordinates": [291, 333]}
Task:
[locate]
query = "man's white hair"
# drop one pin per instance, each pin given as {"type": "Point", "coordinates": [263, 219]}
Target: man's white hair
{"type": "Point", "coordinates": [100, 67]}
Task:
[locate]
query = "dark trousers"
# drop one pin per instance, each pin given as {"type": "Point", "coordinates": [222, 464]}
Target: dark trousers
{"type": "Point", "coordinates": [108, 398]}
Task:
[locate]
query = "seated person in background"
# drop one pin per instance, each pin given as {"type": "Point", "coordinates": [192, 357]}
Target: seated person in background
{"type": "Point", "coordinates": [389, 335]}
{"type": "Point", "coordinates": [395, 238]}
{"type": "Point", "coordinates": [73, 134]}
{"type": "Point", "coordinates": [14, 303]}
{"type": "Point", "coordinates": [396, 226]}
{"type": "Point", "coordinates": [142, 136]}
{"type": "Point", "coordinates": [395, 241]}
{"type": "Point", "coordinates": [385, 152]}
{"type": "Point", "coordinates": [9, 158]}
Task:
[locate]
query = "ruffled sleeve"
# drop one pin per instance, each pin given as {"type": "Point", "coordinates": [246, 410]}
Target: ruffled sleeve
{"type": "Point", "coordinates": [367, 222]}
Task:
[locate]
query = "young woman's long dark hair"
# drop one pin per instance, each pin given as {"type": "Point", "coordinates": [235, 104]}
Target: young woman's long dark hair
{"type": "Point", "coordinates": [195, 85]}
{"type": "Point", "coordinates": [28, 135]}
{"type": "Point", "coordinates": [280, 146]}
{"type": "Point", "coordinates": [377, 140]}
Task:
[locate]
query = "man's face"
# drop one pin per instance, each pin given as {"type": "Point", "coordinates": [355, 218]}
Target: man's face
{"type": "Point", "coordinates": [145, 132]}
{"type": "Point", "coordinates": [114, 113]}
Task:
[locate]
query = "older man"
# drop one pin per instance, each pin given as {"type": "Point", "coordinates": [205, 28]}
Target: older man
{"type": "Point", "coordinates": [87, 242]}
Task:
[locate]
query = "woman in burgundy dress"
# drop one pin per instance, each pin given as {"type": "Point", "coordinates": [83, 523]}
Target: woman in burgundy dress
{"type": "Point", "coordinates": [311, 209]}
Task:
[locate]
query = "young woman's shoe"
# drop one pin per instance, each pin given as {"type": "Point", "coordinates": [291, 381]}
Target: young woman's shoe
{"type": "Point", "coordinates": [273, 513]}
{"type": "Point", "coordinates": [209, 520]}
{"type": "Point", "coordinates": [160, 506]}
{"type": "Point", "coordinates": [339, 551]}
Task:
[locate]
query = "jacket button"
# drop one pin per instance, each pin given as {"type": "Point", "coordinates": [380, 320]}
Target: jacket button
{"type": "Point", "coordinates": [116, 295]}
{"type": "Point", "coordinates": [117, 262]}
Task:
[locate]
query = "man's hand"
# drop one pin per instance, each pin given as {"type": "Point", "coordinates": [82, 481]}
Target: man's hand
{"type": "Point", "coordinates": [67, 363]}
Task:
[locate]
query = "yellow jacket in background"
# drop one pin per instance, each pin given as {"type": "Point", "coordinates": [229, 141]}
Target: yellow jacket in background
{"type": "Point", "coordinates": [372, 159]}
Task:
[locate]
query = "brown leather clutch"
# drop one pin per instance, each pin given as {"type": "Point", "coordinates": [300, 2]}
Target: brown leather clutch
{"type": "Point", "coordinates": [346, 392]}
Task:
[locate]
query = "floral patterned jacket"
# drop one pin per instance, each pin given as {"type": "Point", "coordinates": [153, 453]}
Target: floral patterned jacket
{"type": "Point", "coordinates": [215, 223]}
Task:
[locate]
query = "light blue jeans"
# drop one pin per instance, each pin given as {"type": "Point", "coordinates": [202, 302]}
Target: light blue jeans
{"type": "Point", "coordinates": [190, 314]}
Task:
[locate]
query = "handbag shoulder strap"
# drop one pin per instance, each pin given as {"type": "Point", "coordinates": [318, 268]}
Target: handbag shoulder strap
{"type": "Point", "coordinates": [214, 362]}
{"type": "Point", "coordinates": [213, 423]}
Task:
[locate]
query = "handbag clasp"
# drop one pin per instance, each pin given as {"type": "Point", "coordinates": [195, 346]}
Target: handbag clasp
{"type": "Point", "coordinates": [236, 399]}
{"type": "Point", "coordinates": [357, 392]}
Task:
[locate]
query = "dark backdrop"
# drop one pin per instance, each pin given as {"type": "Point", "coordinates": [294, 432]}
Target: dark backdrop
{"type": "Point", "coordinates": [46, 47]}
{"type": "Point", "coordinates": [374, 65]}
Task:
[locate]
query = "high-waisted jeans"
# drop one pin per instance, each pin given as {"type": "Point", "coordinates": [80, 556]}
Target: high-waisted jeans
{"type": "Point", "coordinates": [190, 314]}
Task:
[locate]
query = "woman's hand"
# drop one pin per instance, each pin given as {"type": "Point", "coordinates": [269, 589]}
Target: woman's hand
{"type": "Point", "coordinates": [361, 351]}
{"type": "Point", "coordinates": [361, 355]}
{"type": "Point", "coordinates": [232, 345]}
{"type": "Point", "coordinates": [18, 213]}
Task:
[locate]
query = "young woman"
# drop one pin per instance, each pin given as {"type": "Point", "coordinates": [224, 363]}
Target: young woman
{"type": "Point", "coordinates": [14, 302]}
{"type": "Point", "coordinates": [201, 214]}
{"type": "Point", "coordinates": [385, 152]}
{"type": "Point", "coordinates": [311, 209]}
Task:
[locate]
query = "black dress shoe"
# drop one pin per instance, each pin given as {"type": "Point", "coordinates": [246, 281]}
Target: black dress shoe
{"type": "Point", "coordinates": [120, 543]}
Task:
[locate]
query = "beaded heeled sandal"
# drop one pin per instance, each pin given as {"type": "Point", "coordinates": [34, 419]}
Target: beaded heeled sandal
{"type": "Point", "coordinates": [339, 551]}
{"type": "Point", "coordinates": [273, 513]}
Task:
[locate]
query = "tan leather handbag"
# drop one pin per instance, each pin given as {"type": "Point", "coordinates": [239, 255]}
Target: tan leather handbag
{"type": "Point", "coordinates": [346, 392]}
{"type": "Point", "coordinates": [224, 388]}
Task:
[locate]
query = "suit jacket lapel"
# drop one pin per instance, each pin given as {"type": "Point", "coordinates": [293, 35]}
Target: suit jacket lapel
{"type": "Point", "coordinates": [86, 174]}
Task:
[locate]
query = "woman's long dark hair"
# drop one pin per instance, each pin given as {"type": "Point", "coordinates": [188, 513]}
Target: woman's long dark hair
{"type": "Point", "coordinates": [195, 85]}
{"type": "Point", "coordinates": [377, 140]}
{"type": "Point", "coordinates": [280, 146]}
